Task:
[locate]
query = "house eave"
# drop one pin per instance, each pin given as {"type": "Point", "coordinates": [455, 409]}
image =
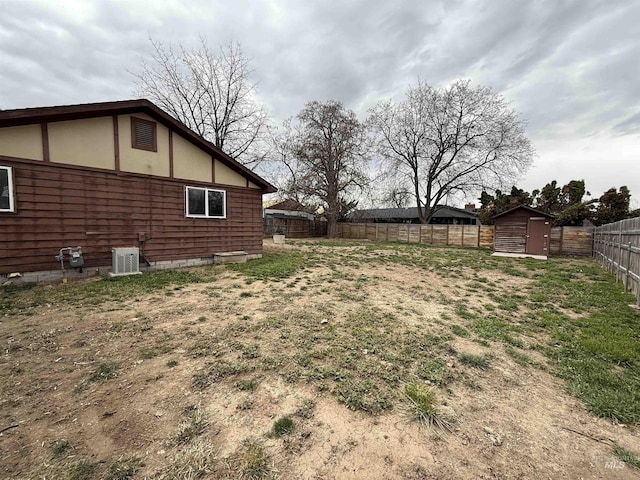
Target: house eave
{"type": "Point", "coordinates": [29, 116]}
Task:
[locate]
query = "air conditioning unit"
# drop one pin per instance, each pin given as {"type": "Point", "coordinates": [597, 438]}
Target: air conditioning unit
{"type": "Point", "coordinates": [125, 261]}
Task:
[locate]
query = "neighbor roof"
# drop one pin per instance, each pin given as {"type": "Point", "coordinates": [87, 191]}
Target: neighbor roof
{"type": "Point", "coordinates": [406, 213]}
{"type": "Point", "coordinates": [26, 116]}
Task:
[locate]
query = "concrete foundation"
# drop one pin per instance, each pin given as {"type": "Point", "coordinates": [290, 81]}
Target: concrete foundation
{"type": "Point", "coordinates": [71, 274]}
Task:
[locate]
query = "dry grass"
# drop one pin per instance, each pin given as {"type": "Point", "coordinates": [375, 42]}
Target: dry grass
{"type": "Point", "coordinates": [338, 338]}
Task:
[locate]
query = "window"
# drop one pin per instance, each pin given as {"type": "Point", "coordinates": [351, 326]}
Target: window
{"type": "Point", "coordinates": [6, 190]}
{"type": "Point", "coordinates": [143, 134]}
{"type": "Point", "coordinates": [206, 203]}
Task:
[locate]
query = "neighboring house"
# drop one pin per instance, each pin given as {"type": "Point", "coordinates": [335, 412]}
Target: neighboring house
{"type": "Point", "coordinates": [119, 174]}
{"type": "Point", "coordinates": [524, 230]}
{"type": "Point", "coordinates": [289, 218]}
{"type": "Point", "coordinates": [443, 216]}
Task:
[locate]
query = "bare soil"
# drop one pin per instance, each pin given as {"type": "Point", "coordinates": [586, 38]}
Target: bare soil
{"type": "Point", "coordinates": [512, 421]}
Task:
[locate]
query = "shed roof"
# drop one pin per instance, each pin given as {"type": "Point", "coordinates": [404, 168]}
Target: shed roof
{"type": "Point", "coordinates": [27, 116]}
{"type": "Point", "coordinates": [525, 207]}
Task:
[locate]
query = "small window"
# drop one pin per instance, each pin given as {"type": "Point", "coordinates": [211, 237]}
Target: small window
{"type": "Point", "coordinates": [206, 203]}
{"type": "Point", "coordinates": [143, 134]}
{"type": "Point", "coordinates": [6, 190]}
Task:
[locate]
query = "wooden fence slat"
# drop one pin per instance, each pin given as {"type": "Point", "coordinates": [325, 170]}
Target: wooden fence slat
{"type": "Point", "coordinates": [564, 240]}
{"type": "Point", "coordinates": [617, 246]}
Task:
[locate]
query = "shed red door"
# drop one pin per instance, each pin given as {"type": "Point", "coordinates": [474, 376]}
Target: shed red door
{"type": "Point", "coordinates": [537, 236]}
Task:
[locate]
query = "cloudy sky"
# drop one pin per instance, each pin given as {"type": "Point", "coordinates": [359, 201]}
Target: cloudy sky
{"type": "Point", "coordinates": [570, 67]}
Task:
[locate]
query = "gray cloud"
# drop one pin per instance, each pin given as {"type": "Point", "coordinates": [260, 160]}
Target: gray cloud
{"type": "Point", "coordinates": [570, 67]}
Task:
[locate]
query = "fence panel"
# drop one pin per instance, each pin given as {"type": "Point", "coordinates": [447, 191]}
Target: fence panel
{"type": "Point", "coordinates": [294, 227]}
{"type": "Point", "coordinates": [487, 234]}
{"type": "Point", "coordinates": [555, 242]}
{"type": "Point", "coordinates": [576, 241]}
{"type": "Point", "coordinates": [470, 235]}
{"type": "Point", "coordinates": [617, 246]}
{"type": "Point", "coordinates": [414, 233]}
{"type": "Point", "coordinates": [372, 229]}
{"type": "Point", "coordinates": [454, 235]}
{"type": "Point", "coordinates": [564, 240]}
{"type": "Point", "coordinates": [392, 232]}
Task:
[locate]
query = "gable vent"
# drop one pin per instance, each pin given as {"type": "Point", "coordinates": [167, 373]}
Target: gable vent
{"type": "Point", "coordinates": [143, 134]}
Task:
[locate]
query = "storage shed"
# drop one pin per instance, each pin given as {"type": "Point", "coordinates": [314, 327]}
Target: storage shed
{"type": "Point", "coordinates": [524, 230]}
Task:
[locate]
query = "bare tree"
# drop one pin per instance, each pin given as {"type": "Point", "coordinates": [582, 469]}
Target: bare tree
{"type": "Point", "coordinates": [458, 139]}
{"type": "Point", "coordinates": [210, 93]}
{"type": "Point", "coordinates": [323, 154]}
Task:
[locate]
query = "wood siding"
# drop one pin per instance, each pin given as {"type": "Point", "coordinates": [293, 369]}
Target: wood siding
{"type": "Point", "coordinates": [510, 237]}
{"type": "Point", "coordinates": [59, 206]}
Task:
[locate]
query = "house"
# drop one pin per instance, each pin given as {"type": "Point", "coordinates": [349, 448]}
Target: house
{"type": "Point", "coordinates": [289, 218]}
{"type": "Point", "coordinates": [119, 174]}
{"type": "Point", "coordinates": [443, 216]}
{"type": "Point", "coordinates": [523, 230]}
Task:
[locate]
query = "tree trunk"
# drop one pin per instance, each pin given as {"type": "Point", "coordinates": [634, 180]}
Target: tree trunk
{"type": "Point", "coordinates": [331, 226]}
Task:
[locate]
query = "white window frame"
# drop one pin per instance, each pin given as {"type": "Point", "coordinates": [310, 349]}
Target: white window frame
{"type": "Point", "coordinates": [206, 202]}
{"type": "Point", "coordinates": [12, 204]}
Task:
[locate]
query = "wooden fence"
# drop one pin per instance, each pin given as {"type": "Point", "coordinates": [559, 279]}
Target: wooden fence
{"type": "Point", "coordinates": [294, 227]}
{"type": "Point", "coordinates": [617, 246]}
{"type": "Point", "coordinates": [564, 240]}
{"type": "Point", "coordinates": [443, 235]}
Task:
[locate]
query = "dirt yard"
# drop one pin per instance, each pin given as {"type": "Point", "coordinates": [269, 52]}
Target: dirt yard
{"type": "Point", "coordinates": [297, 367]}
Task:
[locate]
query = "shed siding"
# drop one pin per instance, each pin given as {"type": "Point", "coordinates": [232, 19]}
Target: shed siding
{"type": "Point", "coordinates": [511, 232]}
{"type": "Point", "coordinates": [511, 238]}
{"type": "Point", "coordinates": [60, 206]}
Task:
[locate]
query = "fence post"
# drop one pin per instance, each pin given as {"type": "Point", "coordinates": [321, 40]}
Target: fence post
{"type": "Point", "coordinates": [626, 279]}
{"type": "Point", "coordinates": [618, 272]}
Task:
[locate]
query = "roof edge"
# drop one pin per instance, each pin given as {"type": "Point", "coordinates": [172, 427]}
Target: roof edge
{"type": "Point", "coordinates": [526, 207]}
{"type": "Point", "coordinates": [26, 116]}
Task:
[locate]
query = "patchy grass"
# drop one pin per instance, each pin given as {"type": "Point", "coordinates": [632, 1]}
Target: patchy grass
{"type": "Point", "coordinates": [82, 470]}
{"type": "Point", "coordinates": [21, 298]}
{"type": "Point", "coordinates": [476, 361]}
{"type": "Point", "coordinates": [459, 331]}
{"type": "Point", "coordinates": [193, 426]}
{"type": "Point", "coordinates": [519, 357]}
{"type": "Point", "coordinates": [283, 426]}
{"type": "Point", "coordinates": [254, 462]}
{"type": "Point", "coordinates": [422, 406]}
{"type": "Point", "coordinates": [192, 461]}
{"type": "Point", "coordinates": [380, 328]}
{"type": "Point", "coordinates": [60, 447]}
{"type": "Point", "coordinates": [272, 266]}
{"type": "Point", "coordinates": [596, 351]}
{"type": "Point", "coordinates": [629, 458]}
{"type": "Point", "coordinates": [105, 371]}
{"type": "Point", "coordinates": [124, 468]}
